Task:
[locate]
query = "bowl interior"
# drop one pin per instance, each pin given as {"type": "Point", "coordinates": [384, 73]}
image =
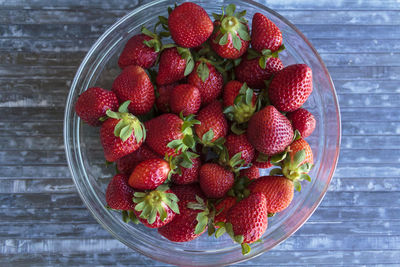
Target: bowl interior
{"type": "Point", "coordinates": [91, 175]}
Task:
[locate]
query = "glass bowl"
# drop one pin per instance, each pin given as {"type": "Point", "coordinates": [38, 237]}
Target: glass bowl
{"type": "Point", "coordinates": [91, 175]}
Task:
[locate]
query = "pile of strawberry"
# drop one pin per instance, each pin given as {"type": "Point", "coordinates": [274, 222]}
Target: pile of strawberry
{"type": "Point", "coordinates": [190, 124]}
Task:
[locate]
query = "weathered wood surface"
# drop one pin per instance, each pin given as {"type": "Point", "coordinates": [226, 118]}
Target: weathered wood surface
{"type": "Point", "coordinates": [42, 219]}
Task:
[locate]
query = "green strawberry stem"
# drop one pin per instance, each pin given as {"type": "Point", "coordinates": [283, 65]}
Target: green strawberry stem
{"type": "Point", "coordinates": [239, 189]}
{"type": "Point", "coordinates": [264, 55]}
{"type": "Point", "coordinates": [128, 124]}
{"type": "Point", "coordinates": [152, 203]}
{"type": "Point", "coordinates": [129, 216]}
{"type": "Point", "coordinates": [188, 140]}
{"type": "Point", "coordinates": [234, 163]}
{"type": "Point", "coordinates": [228, 228]}
{"type": "Point", "coordinates": [204, 218]}
{"type": "Point", "coordinates": [155, 43]}
{"type": "Point", "coordinates": [186, 55]}
{"type": "Point", "coordinates": [242, 109]}
{"type": "Point", "coordinates": [232, 24]}
{"type": "Point", "coordinates": [292, 168]}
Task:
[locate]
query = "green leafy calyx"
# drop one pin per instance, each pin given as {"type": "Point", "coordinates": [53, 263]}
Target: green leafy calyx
{"type": "Point", "coordinates": [187, 56]}
{"type": "Point", "coordinates": [155, 43]}
{"type": "Point", "coordinates": [228, 228]}
{"type": "Point", "coordinates": [205, 217]}
{"type": "Point", "coordinates": [128, 124]}
{"type": "Point", "coordinates": [187, 141]}
{"type": "Point", "coordinates": [233, 26]}
{"type": "Point", "coordinates": [243, 108]}
{"type": "Point", "coordinates": [154, 203]}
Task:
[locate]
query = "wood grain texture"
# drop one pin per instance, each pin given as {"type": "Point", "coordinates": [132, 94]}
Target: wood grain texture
{"type": "Point", "coordinates": [43, 222]}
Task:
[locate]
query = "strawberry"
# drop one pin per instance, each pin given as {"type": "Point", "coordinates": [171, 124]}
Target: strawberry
{"type": "Point", "coordinates": [170, 135]}
{"type": "Point", "coordinates": [232, 91]}
{"type": "Point", "coordinates": [251, 72]}
{"type": "Point", "coordinates": [119, 194]}
{"type": "Point", "coordinates": [156, 208]}
{"type": "Point", "coordinates": [92, 105]}
{"type": "Point", "coordinates": [239, 144]}
{"type": "Point", "coordinates": [185, 98]}
{"type": "Point", "coordinates": [188, 191]}
{"type": "Point", "coordinates": [215, 180]}
{"type": "Point", "coordinates": [265, 34]}
{"type": "Point", "coordinates": [141, 50]}
{"type": "Point", "coordinates": [189, 25]}
{"type": "Point", "coordinates": [295, 162]}
{"type": "Point", "coordinates": [223, 207]}
{"type": "Point", "coordinates": [246, 221]}
{"type": "Point", "coordinates": [188, 175]}
{"type": "Point", "coordinates": [278, 191]}
{"type": "Point", "coordinates": [290, 87]}
{"type": "Point", "coordinates": [127, 163]}
{"type": "Point", "coordinates": [240, 104]}
{"type": "Point", "coordinates": [269, 131]}
{"type": "Point", "coordinates": [251, 173]}
{"type": "Point", "coordinates": [208, 80]}
{"type": "Point", "coordinates": [213, 124]}
{"type": "Point", "coordinates": [175, 64]}
{"type": "Point", "coordinates": [121, 134]}
{"type": "Point", "coordinates": [149, 174]}
{"type": "Point", "coordinates": [231, 36]}
{"type": "Point", "coordinates": [182, 228]}
{"type": "Point", "coordinates": [303, 121]}
{"type": "Point", "coordinates": [262, 161]}
{"type": "Point", "coordinates": [134, 84]}
{"type": "Point", "coordinates": [163, 95]}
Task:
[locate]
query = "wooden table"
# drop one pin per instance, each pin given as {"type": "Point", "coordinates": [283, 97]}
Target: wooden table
{"type": "Point", "coordinates": [42, 219]}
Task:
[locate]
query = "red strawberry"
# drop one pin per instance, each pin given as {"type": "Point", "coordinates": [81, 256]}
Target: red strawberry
{"type": "Point", "coordinates": [188, 175]}
{"type": "Point", "coordinates": [269, 131]}
{"type": "Point", "coordinates": [156, 208]}
{"type": "Point", "coordinates": [262, 161]}
{"type": "Point", "coordinates": [127, 163]}
{"type": "Point", "coordinates": [250, 71]}
{"type": "Point", "coordinates": [164, 93]}
{"type": "Point", "coordinates": [208, 80]}
{"type": "Point", "coordinates": [239, 102]}
{"type": "Point", "coordinates": [277, 189]}
{"type": "Point", "coordinates": [185, 98]}
{"type": "Point", "coordinates": [93, 104]}
{"type": "Point", "coordinates": [121, 134]}
{"type": "Point", "coordinates": [303, 121]}
{"type": "Point", "coordinates": [232, 91]}
{"type": "Point", "coordinates": [134, 84]}
{"type": "Point", "coordinates": [290, 88]}
{"type": "Point", "coordinates": [213, 123]}
{"type": "Point", "coordinates": [296, 162]}
{"type": "Point", "coordinates": [175, 64]}
{"type": "Point", "coordinates": [239, 144]}
{"type": "Point", "coordinates": [231, 36]}
{"type": "Point", "coordinates": [189, 25]}
{"type": "Point", "coordinates": [222, 208]}
{"type": "Point", "coordinates": [249, 220]}
{"type": "Point", "coordinates": [251, 173]}
{"type": "Point", "coordinates": [265, 34]}
{"type": "Point", "coordinates": [298, 145]}
{"type": "Point", "coordinates": [188, 191]}
{"type": "Point", "coordinates": [215, 180]}
{"type": "Point", "coordinates": [182, 228]}
{"type": "Point", "coordinates": [141, 50]}
{"type": "Point", "coordinates": [119, 194]}
{"type": "Point", "coordinates": [165, 134]}
{"type": "Point", "coordinates": [149, 174]}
